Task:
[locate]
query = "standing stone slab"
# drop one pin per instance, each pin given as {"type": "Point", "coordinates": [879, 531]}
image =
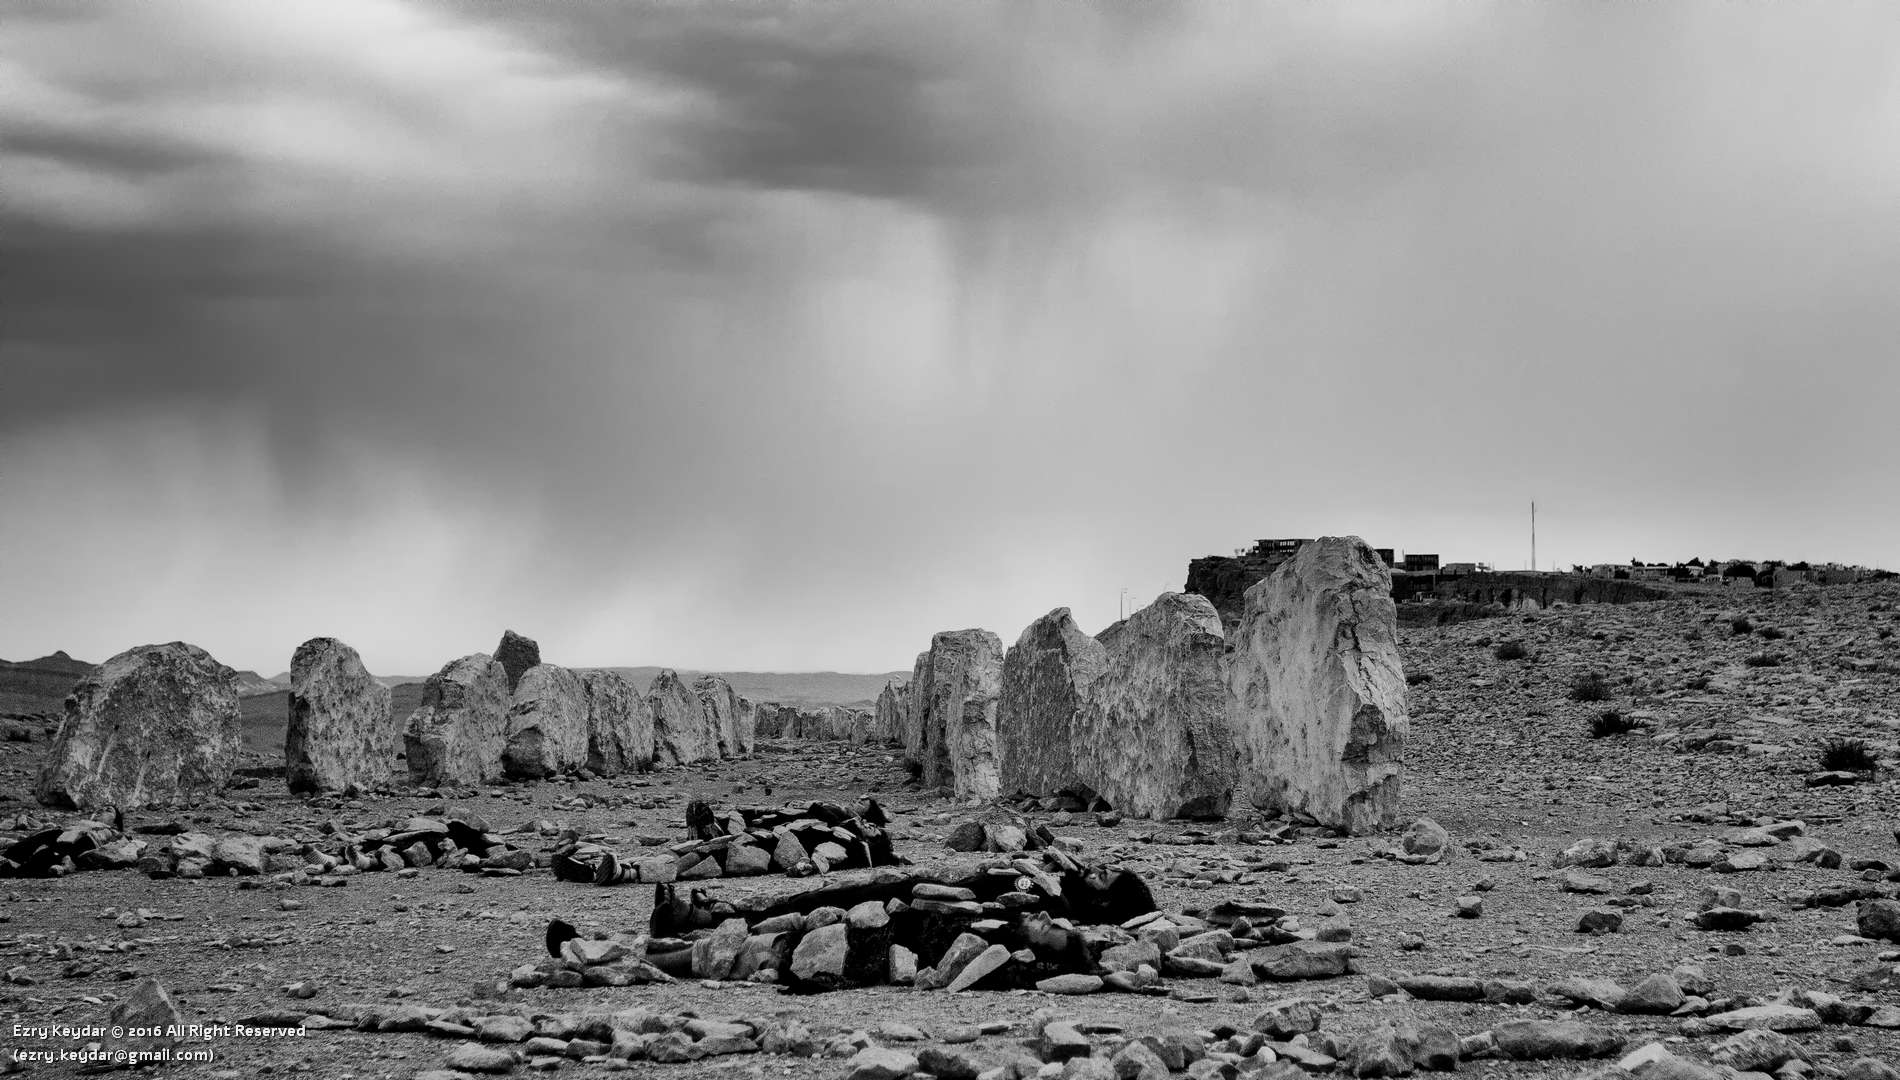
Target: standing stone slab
{"type": "Point", "coordinates": [457, 735]}
{"type": "Point", "coordinates": [914, 739]}
{"type": "Point", "coordinates": [863, 727]}
{"type": "Point", "coordinates": [340, 730]}
{"type": "Point", "coordinates": [721, 703]}
{"type": "Point", "coordinates": [682, 730]}
{"type": "Point", "coordinates": [1047, 677]}
{"type": "Point", "coordinates": [547, 724]}
{"type": "Point", "coordinates": [745, 722]}
{"type": "Point", "coordinates": [619, 725]}
{"type": "Point", "coordinates": [158, 723]}
{"type": "Point", "coordinates": [516, 654]}
{"type": "Point", "coordinates": [893, 702]}
{"type": "Point", "coordinates": [964, 678]}
{"type": "Point", "coordinates": [1318, 694]}
{"type": "Point", "coordinates": [769, 720]}
{"type": "Point", "coordinates": [1153, 737]}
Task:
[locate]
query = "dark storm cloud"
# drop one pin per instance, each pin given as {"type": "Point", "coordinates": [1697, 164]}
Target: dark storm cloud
{"type": "Point", "coordinates": [746, 335]}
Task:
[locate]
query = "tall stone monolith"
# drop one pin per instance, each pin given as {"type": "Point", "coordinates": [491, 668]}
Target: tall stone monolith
{"type": "Point", "coordinates": [516, 654]}
{"type": "Point", "coordinates": [963, 680]}
{"type": "Point", "coordinates": [547, 724]}
{"type": "Point", "coordinates": [619, 725]}
{"type": "Point", "coordinates": [457, 734]}
{"type": "Point", "coordinates": [1317, 690]}
{"type": "Point", "coordinates": [682, 729]}
{"type": "Point", "coordinates": [1047, 678]}
{"type": "Point", "coordinates": [721, 703]}
{"type": "Point", "coordinates": [1152, 736]}
{"type": "Point", "coordinates": [340, 732]}
{"type": "Point", "coordinates": [892, 703]}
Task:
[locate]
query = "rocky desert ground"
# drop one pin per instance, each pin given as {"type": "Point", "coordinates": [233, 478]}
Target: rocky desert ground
{"type": "Point", "coordinates": [1690, 881]}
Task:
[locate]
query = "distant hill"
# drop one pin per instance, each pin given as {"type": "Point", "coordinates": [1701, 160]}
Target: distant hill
{"type": "Point", "coordinates": [39, 686]}
{"type": "Point", "coordinates": [250, 682]}
{"type": "Point", "coordinates": [281, 680]}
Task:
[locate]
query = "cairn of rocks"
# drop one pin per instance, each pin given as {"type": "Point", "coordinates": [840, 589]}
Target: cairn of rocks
{"type": "Point", "coordinates": [798, 842]}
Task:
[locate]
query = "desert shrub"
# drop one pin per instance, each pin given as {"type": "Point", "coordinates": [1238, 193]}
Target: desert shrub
{"type": "Point", "coordinates": [1481, 643]}
{"type": "Point", "coordinates": [1700, 682]}
{"type": "Point", "coordinates": [1771, 633]}
{"type": "Point", "coordinates": [1610, 722]}
{"type": "Point", "coordinates": [1884, 633]}
{"type": "Point", "coordinates": [1599, 635]}
{"type": "Point", "coordinates": [1589, 687]}
{"type": "Point", "coordinates": [1740, 627]}
{"type": "Point", "coordinates": [1417, 678]}
{"type": "Point", "coordinates": [1694, 634]}
{"type": "Point", "coordinates": [1847, 755]}
{"type": "Point", "coordinates": [1511, 650]}
{"type": "Point", "coordinates": [1762, 659]}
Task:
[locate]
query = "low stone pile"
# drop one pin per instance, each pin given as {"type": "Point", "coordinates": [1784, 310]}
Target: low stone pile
{"type": "Point", "coordinates": [1046, 922]}
{"type": "Point", "coordinates": [170, 850]}
{"type": "Point", "coordinates": [1283, 1042]}
{"type": "Point", "coordinates": [489, 1037]}
{"type": "Point", "coordinates": [815, 838]}
{"type": "Point", "coordinates": [1763, 845]}
{"type": "Point", "coordinates": [89, 844]}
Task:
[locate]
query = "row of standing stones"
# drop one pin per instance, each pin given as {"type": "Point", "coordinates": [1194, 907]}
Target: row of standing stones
{"type": "Point", "coordinates": [160, 724]}
{"type": "Point", "coordinates": [1303, 712]}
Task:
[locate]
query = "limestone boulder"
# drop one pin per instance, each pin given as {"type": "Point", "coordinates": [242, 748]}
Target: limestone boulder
{"type": "Point", "coordinates": [619, 725]}
{"type": "Point", "coordinates": [682, 729]}
{"type": "Point", "coordinates": [893, 702]}
{"type": "Point", "coordinates": [745, 724]}
{"type": "Point", "coordinates": [963, 680]}
{"type": "Point", "coordinates": [769, 720]}
{"type": "Point", "coordinates": [516, 654]}
{"type": "Point", "coordinates": [154, 724]}
{"type": "Point", "coordinates": [457, 734]}
{"type": "Point", "coordinates": [547, 724]}
{"type": "Point", "coordinates": [1152, 738]}
{"type": "Point", "coordinates": [1317, 690]}
{"type": "Point", "coordinates": [721, 703]}
{"type": "Point", "coordinates": [913, 740]}
{"type": "Point", "coordinates": [1047, 678]}
{"type": "Point", "coordinates": [340, 730]}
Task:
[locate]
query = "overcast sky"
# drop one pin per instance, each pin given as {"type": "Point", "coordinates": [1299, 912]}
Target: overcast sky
{"type": "Point", "coordinates": [746, 337]}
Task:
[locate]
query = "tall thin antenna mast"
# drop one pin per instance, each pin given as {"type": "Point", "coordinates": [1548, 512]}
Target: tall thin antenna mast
{"type": "Point", "coordinates": [1533, 534]}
